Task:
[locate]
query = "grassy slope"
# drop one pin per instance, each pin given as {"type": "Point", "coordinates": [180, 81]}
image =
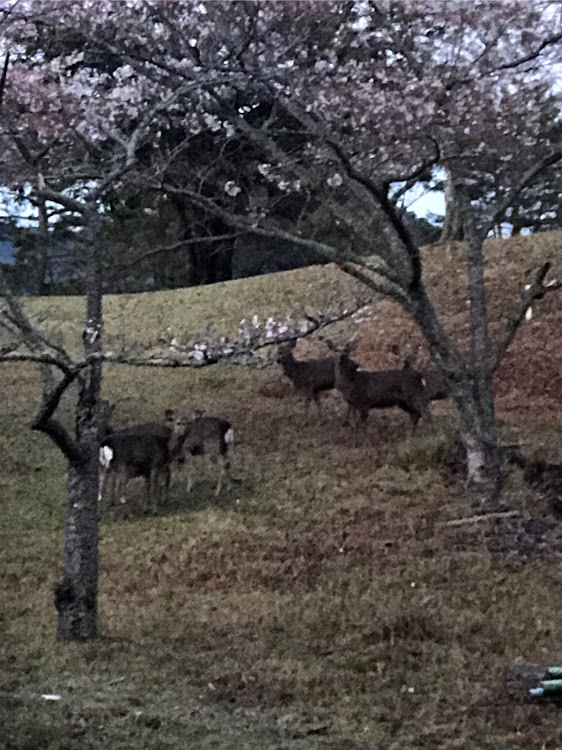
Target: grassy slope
{"type": "Point", "coordinates": [320, 605]}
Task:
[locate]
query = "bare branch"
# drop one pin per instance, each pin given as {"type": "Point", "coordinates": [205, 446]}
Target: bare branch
{"type": "Point", "coordinates": [536, 290]}
{"type": "Point", "coordinates": [57, 197]}
{"type": "Point", "coordinates": [414, 175]}
{"type": "Point", "coordinates": [321, 249]}
{"type": "Point", "coordinates": [379, 284]}
{"type": "Point", "coordinates": [380, 194]}
{"type": "Point", "coordinates": [3, 78]}
{"type": "Point", "coordinates": [62, 439]}
{"type": "Point", "coordinates": [549, 41]}
{"type": "Point", "coordinates": [479, 518]}
{"type": "Point", "coordinates": [39, 358]}
{"type": "Point", "coordinates": [525, 180]}
{"type": "Point", "coordinates": [178, 247]}
{"type": "Point", "coordinates": [43, 421]}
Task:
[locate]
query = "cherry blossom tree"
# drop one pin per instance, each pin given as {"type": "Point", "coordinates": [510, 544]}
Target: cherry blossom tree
{"type": "Point", "coordinates": [336, 104]}
{"type": "Point", "coordinates": [320, 114]}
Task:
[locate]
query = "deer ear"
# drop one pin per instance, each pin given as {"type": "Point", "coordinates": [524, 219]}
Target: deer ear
{"type": "Point", "coordinates": [169, 414]}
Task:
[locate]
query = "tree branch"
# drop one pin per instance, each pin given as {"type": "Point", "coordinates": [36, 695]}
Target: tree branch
{"type": "Point", "coordinates": [527, 178]}
{"type": "Point", "coordinates": [178, 247]}
{"type": "Point", "coordinates": [56, 197]}
{"type": "Point", "coordinates": [3, 78]}
{"type": "Point", "coordinates": [39, 358]}
{"type": "Point", "coordinates": [43, 421]}
{"type": "Point", "coordinates": [381, 196]}
{"type": "Point", "coordinates": [536, 290]}
{"type": "Point", "coordinates": [321, 249]}
{"type": "Point", "coordinates": [208, 352]}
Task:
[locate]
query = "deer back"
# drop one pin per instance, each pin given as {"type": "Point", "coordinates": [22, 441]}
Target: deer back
{"type": "Point", "coordinates": [378, 389]}
{"type": "Point", "coordinates": [307, 374]}
{"type": "Point", "coordinates": [139, 449]}
{"type": "Point", "coordinates": [197, 435]}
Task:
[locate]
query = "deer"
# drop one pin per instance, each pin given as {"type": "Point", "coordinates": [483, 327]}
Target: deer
{"type": "Point", "coordinates": [141, 450]}
{"type": "Point", "coordinates": [199, 434]}
{"type": "Point", "coordinates": [308, 376]}
{"type": "Point", "coordinates": [436, 386]}
{"type": "Point", "coordinates": [364, 390]}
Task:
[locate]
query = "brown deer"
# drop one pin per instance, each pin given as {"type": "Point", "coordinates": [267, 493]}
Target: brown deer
{"type": "Point", "coordinates": [309, 376]}
{"type": "Point", "coordinates": [141, 450]}
{"type": "Point", "coordinates": [364, 390]}
{"type": "Point", "coordinates": [202, 435]}
{"type": "Point", "coordinates": [436, 386]}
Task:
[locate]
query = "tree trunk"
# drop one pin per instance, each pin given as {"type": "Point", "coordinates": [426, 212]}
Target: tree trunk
{"type": "Point", "coordinates": [76, 594]}
{"type": "Point", "coordinates": [470, 386]}
{"type": "Point", "coordinates": [452, 225]}
{"type": "Point", "coordinates": [478, 436]}
{"type": "Point", "coordinates": [476, 408]}
{"type": "Point", "coordinates": [43, 260]}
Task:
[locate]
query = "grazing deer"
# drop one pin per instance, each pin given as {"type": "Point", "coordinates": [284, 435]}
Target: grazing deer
{"type": "Point", "coordinates": [364, 390]}
{"type": "Point", "coordinates": [139, 451]}
{"type": "Point", "coordinates": [309, 376]}
{"type": "Point", "coordinates": [202, 435]}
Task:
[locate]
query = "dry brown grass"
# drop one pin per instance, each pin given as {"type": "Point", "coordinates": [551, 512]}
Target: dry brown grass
{"type": "Point", "coordinates": [321, 604]}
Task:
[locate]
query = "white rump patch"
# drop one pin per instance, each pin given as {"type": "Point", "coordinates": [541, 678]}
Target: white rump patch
{"type": "Point", "coordinates": [229, 436]}
{"type": "Point", "coordinates": [424, 382]}
{"type": "Point", "coordinates": [106, 456]}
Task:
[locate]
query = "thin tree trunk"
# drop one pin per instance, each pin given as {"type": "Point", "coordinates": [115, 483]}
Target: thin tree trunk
{"type": "Point", "coordinates": [76, 595]}
{"type": "Point", "coordinates": [452, 224]}
{"type": "Point", "coordinates": [470, 384]}
{"type": "Point", "coordinates": [478, 420]}
{"type": "Point", "coordinates": [42, 269]}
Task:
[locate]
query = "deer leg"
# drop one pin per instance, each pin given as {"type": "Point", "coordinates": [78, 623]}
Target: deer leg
{"type": "Point", "coordinates": [121, 481]}
{"type": "Point", "coordinates": [156, 488]}
{"type": "Point", "coordinates": [105, 488]}
{"type": "Point", "coordinates": [224, 473]}
{"type": "Point", "coordinates": [166, 488]}
{"type": "Point", "coordinates": [147, 492]}
{"type": "Point", "coordinates": [222, 463]}
{"type": "Point", "coordinates": [189, 471]}
{"type": "Point", "coordinates": [316, 398]}
{"type": "Point", "coordinates": [307, 401]}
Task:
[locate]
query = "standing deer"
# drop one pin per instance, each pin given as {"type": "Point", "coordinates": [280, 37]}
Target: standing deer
{"type": "Point", "coordinates": [364, 390]}
{"type": "Point", "coordinates": [202, 435]}
{"type": "Point", "coordinates": [141, 450]}
{"type": "Point", "coordinates": [309, 376]}
{"type": "Point", "coordinates": [436, 386]}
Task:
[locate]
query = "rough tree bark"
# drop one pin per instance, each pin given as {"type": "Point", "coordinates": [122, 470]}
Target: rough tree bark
{"type": "Point", "coordinates": [76, 594]}
{"type": "Point", "coordinates": [452, 225]}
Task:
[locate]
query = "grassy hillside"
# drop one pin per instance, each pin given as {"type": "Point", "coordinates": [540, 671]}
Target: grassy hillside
{"type": "Point", "coordinates": [323, 603]}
